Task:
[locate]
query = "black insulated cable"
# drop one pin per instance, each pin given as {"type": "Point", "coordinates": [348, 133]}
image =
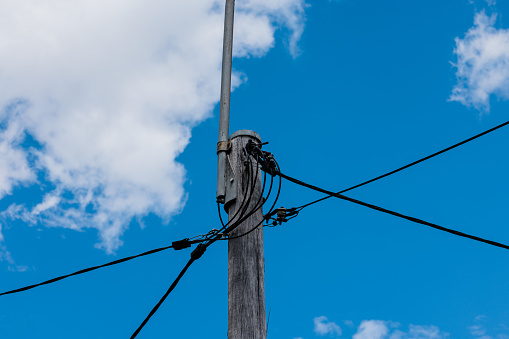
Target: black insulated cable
{"type": "Point", "coordinates": [261, 201]}
{"type": "Point", "coordinates": [180, 245]}
{"type": "Point", "coordinates": [172, 287]}
{"type": "Point", "coordinates": [270, 210]}
{"type": "Point", "coordinates": [410, 164]}
{"type": "Point", "coordinates": [249, 183]}
{"type": "Point", "coordinates": [384, 210]}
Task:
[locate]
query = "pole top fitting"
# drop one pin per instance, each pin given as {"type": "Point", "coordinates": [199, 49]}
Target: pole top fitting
{"type": "Point", "coordinates": [246, 133]}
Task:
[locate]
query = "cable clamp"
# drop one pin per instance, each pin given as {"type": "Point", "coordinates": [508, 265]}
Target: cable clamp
{"type": "Point", "coordinates": [223, 146]}
{"type": "Point", "coordinates": [181, 244]}
{"type": "Point", "coordinates": [282, 215]}
{"type": "Point", "coordinates": [198, 251]}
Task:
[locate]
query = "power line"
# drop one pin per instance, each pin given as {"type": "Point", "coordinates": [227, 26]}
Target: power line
{"type": "Point", "coordinates": [268, 213]}
{"type": "Point", "coordinates": [384, 210]}
{"type": "Point", "coordinates": [176, 245]}
{"type": "Point", "coordinates": [409, 165]}
{"type": "Point", "coordinates": [195, 255]}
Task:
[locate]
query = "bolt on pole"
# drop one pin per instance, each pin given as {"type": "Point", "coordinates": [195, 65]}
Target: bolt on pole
{"type": "Point", "coordinates": [224, 105]}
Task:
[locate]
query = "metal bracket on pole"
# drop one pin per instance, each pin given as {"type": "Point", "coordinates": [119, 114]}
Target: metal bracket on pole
{"type": "Point", "coordinates": [224, 146]}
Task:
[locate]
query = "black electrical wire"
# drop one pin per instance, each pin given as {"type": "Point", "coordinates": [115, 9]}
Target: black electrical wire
{"type": "Point", "coordinates": [156, 307]}
{"type": "Point", "coordinates": [255, 208]}
{"type": "Point", "coordinates": [249, 181]}
{"type": "Point", "coordinates": [246, 233]}
{"type": "Point", "coordinates": [384, 210]}
{"type": "Point", "coordinates": [257, 204]}
{"type": "Point", "coordinates": [220, 216]}
{"type": "Point", "coordinates": [89, 269]}
{"type": "Point", "coordinates": [243, 217]}
{"type": "Point", "coordinates": [409, 165]}
{"type": "Point", "coordinates": [242, 208]}
{"type": "Point", "coordinates": [270, 210]}
{"type": "Point", "coordinates": [261, 222]}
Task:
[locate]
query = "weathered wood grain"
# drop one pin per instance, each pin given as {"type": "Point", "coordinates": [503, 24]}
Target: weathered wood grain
{"type": "Point", "coordinates": [246, 265]}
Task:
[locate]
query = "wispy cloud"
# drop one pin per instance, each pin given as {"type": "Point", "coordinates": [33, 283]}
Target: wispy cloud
{"type": "Point", "coordinates": [323, 326]}
{"type": "Point", "coordinates": [372, 329]}
{"type": "Point", "coordinates": [14, 166]}
{"type": "Point", "coordinates": [5, 255]}
{"type": "Point", "coordinates": [482, 63]}
{"type": "Point", "coordinates": [379, 329]}
{"type": "Point", "coordinates": [419, 332]}
{"type": "Point", "coordinates": [482, 329]}
{"type": "Point", "coordinates": [478, 330]}
{"type": "Point", "coordinates": [110, 92]}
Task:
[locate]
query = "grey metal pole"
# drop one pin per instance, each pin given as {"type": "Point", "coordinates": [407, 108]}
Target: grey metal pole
{"type": "Point", "coordinates": [224, 106]}
{"type": "Point", "coordinates": [246, 264]}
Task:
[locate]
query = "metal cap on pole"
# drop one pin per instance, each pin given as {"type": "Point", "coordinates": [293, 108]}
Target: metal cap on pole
{"type": "Point", "coordinates": [224, 105]}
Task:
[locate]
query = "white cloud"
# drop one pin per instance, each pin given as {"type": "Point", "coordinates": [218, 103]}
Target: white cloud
{"type": "Point", "coordinates": [5, 255]}
{"type": "Point", "coordinates": [371, 329]}
{"type": "Point", "coordinates": [378, 329]}
{"type": "Point", "coordinates": [323, 326]}
{"type": "Point", "coordinates": [289, 13]}
{"type": "Point", "coordinates": [478, 331]}
{"type": "Point", "coordinates": [420, 332]}
{"type": "Point", "coordinates": [482, 326]}
{"type": "Point", "coordinates": [14, 167]}
{"type": "Point", "coordinates": [482, 64]}
{"type": "Point", "coordinates": [111, 90]}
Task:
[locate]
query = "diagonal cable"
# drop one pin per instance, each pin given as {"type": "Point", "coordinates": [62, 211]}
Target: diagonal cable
{"type": "Point", "coordinates": [93, 268]}
{"type": "Point", "coordinates": [410, 164]}
{"type": "Point", "coordinates": [384, 210]}
{"type": "Point", "coordinates": [156, 307]}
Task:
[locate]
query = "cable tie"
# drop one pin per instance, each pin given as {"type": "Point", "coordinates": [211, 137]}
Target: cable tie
{"type": "Point", "coordinates": [181, 244]}
{"type": "Point", "coordinates": [198, 251]}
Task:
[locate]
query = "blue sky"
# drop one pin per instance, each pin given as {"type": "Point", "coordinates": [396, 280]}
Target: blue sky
{"type": "Point", "coordinates": [108, 132]}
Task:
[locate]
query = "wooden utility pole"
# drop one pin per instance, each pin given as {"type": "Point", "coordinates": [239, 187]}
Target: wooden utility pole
{"type": "Point", "coordinates": [246, 265]}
